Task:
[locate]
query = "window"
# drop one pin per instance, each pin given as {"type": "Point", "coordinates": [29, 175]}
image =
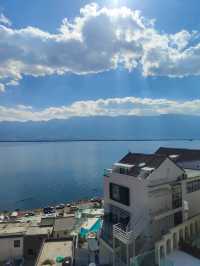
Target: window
{"type": "Point", "coordinates": [123, 170]}
{"type": "Point", "coordinates": [30, 252]}
{"type": "Point", "coordinates": [119, 193]}
{"type": "Point", "coordinates": [189, 187]}
{"type": "Point", "coordinates": [193, 186]}
{"type": "Point", "coordinates": [176, 196]}
{"type": "Point", "coordinates": [115, 192]}
{"type": "Point", "coordinates": [16, 243]}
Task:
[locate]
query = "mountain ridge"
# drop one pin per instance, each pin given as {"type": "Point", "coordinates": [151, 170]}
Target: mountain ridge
{"type": "Point", "coordinates": [104, 128]}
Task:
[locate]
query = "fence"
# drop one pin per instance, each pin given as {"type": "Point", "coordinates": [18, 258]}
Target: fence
{"type": "Point", "coordinates": [148, 259]}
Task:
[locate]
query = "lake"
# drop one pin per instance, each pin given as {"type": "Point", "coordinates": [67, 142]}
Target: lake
{"type": "Point", "coordinates": [35, 174]}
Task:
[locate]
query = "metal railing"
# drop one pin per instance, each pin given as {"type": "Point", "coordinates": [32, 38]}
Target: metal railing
{"type": "Point", "coordinates": [122, 233]}
{"type": "Point", "coordinates": [144, 259]}
{"type": "Point", "coordinates": [107, 172]}
{"type": "Point", "coordinates": [148, 259]}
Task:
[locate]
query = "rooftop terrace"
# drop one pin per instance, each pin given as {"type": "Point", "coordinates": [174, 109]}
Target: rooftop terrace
{"type": "Point", "coordinates": [52, 249]}
{"type": "Point", "coordinates": [7, 229]}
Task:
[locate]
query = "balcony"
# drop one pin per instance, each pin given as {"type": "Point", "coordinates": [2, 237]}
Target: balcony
{"type": "Point", "coordinates": [122, 233]}
{"type": "Point", "coordinates": [107, 172]}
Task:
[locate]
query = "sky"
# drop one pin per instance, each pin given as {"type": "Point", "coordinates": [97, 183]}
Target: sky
{"type": "Point", "coordinates": [72, 58]}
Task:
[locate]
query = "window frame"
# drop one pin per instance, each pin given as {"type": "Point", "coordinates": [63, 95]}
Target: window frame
{"type": "Point", "coordinates": [17, 243]}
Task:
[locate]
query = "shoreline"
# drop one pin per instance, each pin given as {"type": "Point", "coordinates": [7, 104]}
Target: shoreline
{"type": "Point", "coordinates": [40, 208]}
{"type": "Point", "coordinates": [100, 140]}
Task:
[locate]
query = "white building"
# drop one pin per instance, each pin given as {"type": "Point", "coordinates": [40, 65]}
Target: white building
{"type": "Point", "coordinates": [148, 197]}
{"type": "Point", "coordinates": [21, 240]}
{"type": "Point", "coordinates": [11, 241]}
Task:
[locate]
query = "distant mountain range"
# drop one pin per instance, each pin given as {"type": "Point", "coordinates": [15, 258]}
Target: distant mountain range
{"type": "Point", "coordinates": [104, 128]}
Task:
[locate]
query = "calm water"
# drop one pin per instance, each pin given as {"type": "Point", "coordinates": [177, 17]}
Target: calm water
{"type": "Point", "coordinates": [38, 174]}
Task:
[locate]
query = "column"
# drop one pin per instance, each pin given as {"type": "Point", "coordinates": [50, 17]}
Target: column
{"type": "Point", "coordinates": [114, 251]}
{"type": "Point", "coordinates": [127, 255]}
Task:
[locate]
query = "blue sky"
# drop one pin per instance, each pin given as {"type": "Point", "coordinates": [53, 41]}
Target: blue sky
{"type": "Point", "coordinates": [64, 58]}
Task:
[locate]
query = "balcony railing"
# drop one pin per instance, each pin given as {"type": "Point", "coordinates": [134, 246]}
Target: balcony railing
{"type": "Point", "coordinates": [107, 172]}
{"type": "Point", "coordinates": [122, 233]}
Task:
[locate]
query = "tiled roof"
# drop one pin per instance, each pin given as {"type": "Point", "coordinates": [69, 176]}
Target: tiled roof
{"type": "Point", "coordinates": [141, 161]}
{"type": "Point", "coordinates": [152, 160]}
{"type": "Point", "coordinates": [179, 155]}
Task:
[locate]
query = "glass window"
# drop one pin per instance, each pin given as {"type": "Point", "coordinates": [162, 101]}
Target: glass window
{"type": "Point", "coordinates": [196, 185]}
{"type": "Point", "coordinates": [119, 193]}
{"type": "Point", "coordinates": [193, 186]}
{"type": "Point", "coordinates": [189, 187]}
{"type": "Point", "coordinates": [16, 243]}
{"type": "Point", "coordinates": [115, 192]}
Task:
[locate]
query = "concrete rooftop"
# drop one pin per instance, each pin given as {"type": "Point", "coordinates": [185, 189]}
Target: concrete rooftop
{"type": "Point", "coordinates": [52, 249]}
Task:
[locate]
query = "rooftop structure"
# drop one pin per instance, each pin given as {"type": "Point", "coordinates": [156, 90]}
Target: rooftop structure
{"type": "Point", "coordinates": [64, 223]}
{"type": "Point", "coordinates": [47, 221]}
{"type": "Point", "coordinates": [63, 226]}
{"type": "Point", "coordinates": [21, 238]}
{"type": "Point", "coordinates": [53, 249]}
{"type": "Point", "coordinates": [137, 163]}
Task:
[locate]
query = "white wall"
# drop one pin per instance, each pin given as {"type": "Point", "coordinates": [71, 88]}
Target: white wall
{"type": "Point", "coordinates": [7, 249]}
{"type": "Point", "coordinates": [138, 195]}
{"type": "Point", "coordinates": [160, 198]}
{"type": "Point", "coordinates": [192, 198]}
{"type": "Point", "coordinates": [166, 172]}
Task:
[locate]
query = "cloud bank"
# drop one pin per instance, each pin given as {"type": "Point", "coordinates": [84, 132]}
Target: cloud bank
{"type": "Point", "coordinates": [127, 106]}
{"type": "Point", "coordinates": [5, 20]}
{"type": "Point", "coordinates": [99, 39]}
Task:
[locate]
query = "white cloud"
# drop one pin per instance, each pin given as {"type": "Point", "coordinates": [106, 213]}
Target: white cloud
{"type": "Point", "coordinates": [98, 40]}
{"type": "Point", "coordinates": [5, 20]}
{"type": "Point", "coordinates": [2, 87]}
{"type": "Point", "coordinates": [126, 106]}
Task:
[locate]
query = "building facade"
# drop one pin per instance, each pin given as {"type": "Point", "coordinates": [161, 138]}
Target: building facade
{"type": "Point", "coordinates": [11, 247]}
{"type": "Point", "coordinates": [145, 196]}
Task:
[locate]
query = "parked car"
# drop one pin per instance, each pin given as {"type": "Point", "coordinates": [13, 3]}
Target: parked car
{"type": "Point", "coordinates": [48, 210]}
{"type": "Point", "coordinates": [60, 206]}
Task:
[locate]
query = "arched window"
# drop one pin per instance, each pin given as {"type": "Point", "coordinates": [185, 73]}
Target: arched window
{"type": "Point", "coordinates": [162, 253]}
{"type": "Point", "coordinates": [181, 235]}
{"type": "Point", "coordinates": [168, 246]}
{"type": "Point", "coordinates": [186, 233]}
{"type": "Point", "coordinates": [191, 229]}
{"type": "Point", "coordinates": [174, 241]}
